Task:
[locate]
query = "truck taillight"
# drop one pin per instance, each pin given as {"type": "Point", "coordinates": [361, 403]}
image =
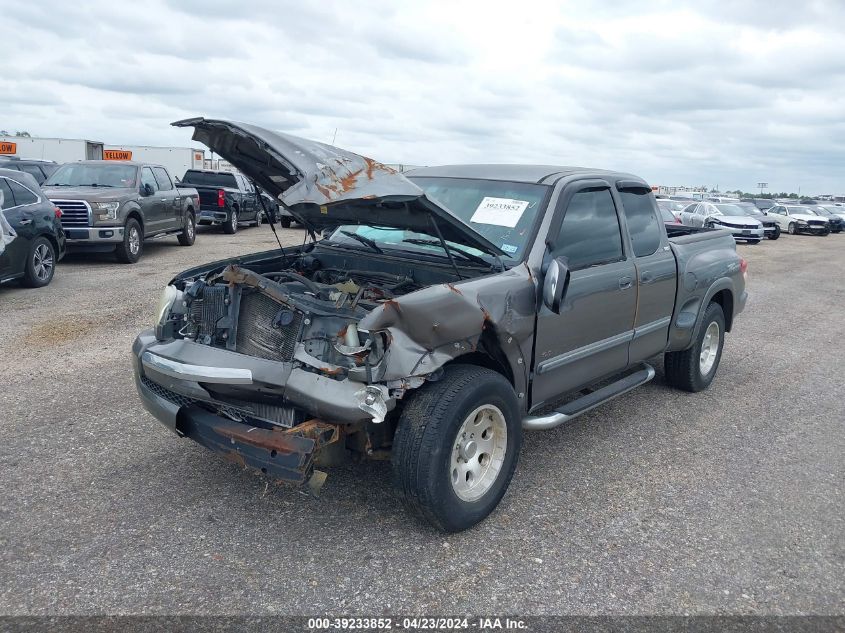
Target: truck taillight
{"type": "Point", "coordinates": [221, 198]}
{"type": "Point", "coordinates": [58, 212]}
{"type": "Point", "coordinates": [743, 267]}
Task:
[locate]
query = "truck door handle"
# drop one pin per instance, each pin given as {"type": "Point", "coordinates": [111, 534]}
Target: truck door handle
{"type": "Point", "coordinates": [625, 283]}
{"type": "Point", "coordinates": [645, 277]}
{"type": "Point", "coordinates": [25, 221]}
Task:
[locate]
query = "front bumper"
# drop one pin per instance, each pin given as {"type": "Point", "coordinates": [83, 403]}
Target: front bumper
{"type": "Point", "coordinates": [183, 406]}
{"type": "Point", "coordinates": [183, 367]}
{"type": "Point", "coordinates": [812, 230]}
{"type": "Point", "coordinates": [743, 234]}
{"type": "Point", "coordinates": [93, 235]}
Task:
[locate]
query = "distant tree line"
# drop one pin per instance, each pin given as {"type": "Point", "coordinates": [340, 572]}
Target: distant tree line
{"type": "Point", "coordinates": [756, 194]}
{"type": "Point", "coordinates": [21, 134]}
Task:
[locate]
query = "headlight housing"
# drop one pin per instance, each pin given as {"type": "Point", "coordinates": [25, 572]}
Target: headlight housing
{"type": "Point", "coordinates": [168, 297]}
{"type": "Point", "coordinates": [105, 210]}
{"type": "Point", "coordinates": [802, 222]}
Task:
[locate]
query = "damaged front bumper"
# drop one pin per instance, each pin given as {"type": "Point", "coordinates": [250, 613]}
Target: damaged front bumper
{"type": "Point", "coordinates": [173, 378]}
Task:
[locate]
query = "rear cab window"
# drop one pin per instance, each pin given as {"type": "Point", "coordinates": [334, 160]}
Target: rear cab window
{"type": "Point", "coordinates": [642, 218]}
{"type": "Point", "coordinates": [162, 178]}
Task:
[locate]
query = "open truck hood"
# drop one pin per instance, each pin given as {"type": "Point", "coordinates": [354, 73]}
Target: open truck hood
{"type": "Point", "coordinates": [326, 186]}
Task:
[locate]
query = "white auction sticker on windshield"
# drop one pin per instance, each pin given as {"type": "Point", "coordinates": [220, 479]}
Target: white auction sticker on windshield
{"type": "Point", "coordinates": [499, 211]}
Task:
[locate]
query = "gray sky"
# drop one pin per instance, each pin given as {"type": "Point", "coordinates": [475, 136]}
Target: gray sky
{"type": "Point", "coordinates": [709, 92]}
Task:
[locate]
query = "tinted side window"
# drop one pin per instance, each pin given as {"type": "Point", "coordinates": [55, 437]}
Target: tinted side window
{"type": "Point", "coordinates": [642, 220]}
{"type": "Point", "coordinates": [589, 233]}
{"type": "Point", "coordinates": [148, 179]}
{"type": "Point", "coordinates": [35, 172]}
{"type": "Point", "coordinates": [21, 194]}
{"type": "Point", "coordinates": [163, 179]}
{"type": "Point", "coordinates": [8, 199]}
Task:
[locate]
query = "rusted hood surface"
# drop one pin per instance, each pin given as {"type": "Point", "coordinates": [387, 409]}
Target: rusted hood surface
{"type": "Point", "coordinates": [325, 186]}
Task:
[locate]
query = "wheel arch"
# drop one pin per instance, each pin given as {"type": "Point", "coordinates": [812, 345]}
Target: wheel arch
{"type": "Point", "coordinates": [137, 215]}
{"type": "Point", "coordinates": [488, 353]}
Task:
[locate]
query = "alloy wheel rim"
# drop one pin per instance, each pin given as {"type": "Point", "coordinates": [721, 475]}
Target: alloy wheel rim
{"type": "Point", "coordinates": [234, 220]}
{"type": "Point", "coordinates": [709, 349]}
{"type": "Point", "coordinates": [134, 241]}
{"type": "Point", "coordinates": [190, 227]}
{"type": "Point", "coordinates": [478, 452]}
{"type": "Point", "coordinates": [43, 262]}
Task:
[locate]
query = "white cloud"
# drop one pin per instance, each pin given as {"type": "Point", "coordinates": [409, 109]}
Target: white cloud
{"type": "Point", "coordinates": [708, 92]}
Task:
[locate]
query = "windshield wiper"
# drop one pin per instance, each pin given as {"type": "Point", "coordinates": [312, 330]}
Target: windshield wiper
{"type": "Point", "coordinates": [94, 184]}
{"type": "Point", "coordinates": [453, 249]}
{"type": "Point", "coordinates": [364, 240]}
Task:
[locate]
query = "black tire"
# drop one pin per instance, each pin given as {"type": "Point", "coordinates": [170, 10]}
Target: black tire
{"type": "Point", "coordinates": [683, 369]}
{"type": "Point", "coordinates": [791, 229]}
{"type": "Point", "coordinates": [423, 445]}
{"type": "Point", "coordinates": [40, 263]}
{"type": "Point", "coordinates": [189, 231]}
{"type": "Point", "coordinates": [230, 226]}
{"type": "Point", "coordinates": [776, 234]}
{"type": "Point", "coordinates": [285, 221]}
{"type": "Point", "coordinates": [259, 218]}
{"type": "Point", "coordinates": [129, 250]}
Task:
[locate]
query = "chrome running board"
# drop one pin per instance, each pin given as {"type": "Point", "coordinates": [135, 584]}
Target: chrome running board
{"type": "Point", "coordinates": [589, 401]}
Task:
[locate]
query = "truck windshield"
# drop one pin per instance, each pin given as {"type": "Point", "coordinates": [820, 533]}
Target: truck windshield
{"type": "Point", "coordinates": [502, 211]}
{"type": "Point", "coordinates": [730, 209]}
{"type": "Point", "coordinates": [209, 179]}
{"type": "Point", "coordinates": [93, 175]}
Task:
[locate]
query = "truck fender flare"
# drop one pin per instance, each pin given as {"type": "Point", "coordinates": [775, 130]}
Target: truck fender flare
{"type": "Point", "coordinates": [689, 317]}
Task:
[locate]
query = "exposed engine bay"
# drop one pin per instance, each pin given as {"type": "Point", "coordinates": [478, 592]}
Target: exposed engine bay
{"type": "Point", "coordinates": [306, 313]}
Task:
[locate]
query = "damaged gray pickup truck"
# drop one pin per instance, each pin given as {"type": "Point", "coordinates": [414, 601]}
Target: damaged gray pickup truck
{"type": "Point", "coordinates": [441, 313]}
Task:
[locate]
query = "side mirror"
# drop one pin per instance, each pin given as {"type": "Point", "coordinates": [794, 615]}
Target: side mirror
{"type": "Point", "coordinates": [555, 284]}
{"type": "Point", "coordinates": [147, 189]}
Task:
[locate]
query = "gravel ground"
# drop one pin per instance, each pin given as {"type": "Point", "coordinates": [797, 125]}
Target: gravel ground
{"type": "Point", "coordinates": [727, 501]}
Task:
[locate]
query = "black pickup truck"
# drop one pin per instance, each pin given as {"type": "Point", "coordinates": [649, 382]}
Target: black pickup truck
{"type": "Point", "coordinates": [226, 199]}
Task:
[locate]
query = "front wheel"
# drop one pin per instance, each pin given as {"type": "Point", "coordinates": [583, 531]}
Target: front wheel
{"type": "Point", "coordinates": [693, 369]}
{"type": "Point", "coordinates": [791, 229]}
{"type": "Point", "coordinates": [40, 264]}
{"type": "Point", "coordinates": [230, 227]}
{"type": "Point", "coordinates": [285, 221]}
{"type": "Point", "coordinates": [129, 250]}
{"type": "Point", "coordinates": [456, 447]}
{"type": "Point", "coordinates": [775, 234]}
{"type": "Point", "coordinates": [189, 230]}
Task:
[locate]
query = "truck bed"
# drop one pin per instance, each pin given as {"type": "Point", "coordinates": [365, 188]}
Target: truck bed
{"type": "Point", "coordinates": [707, 262]}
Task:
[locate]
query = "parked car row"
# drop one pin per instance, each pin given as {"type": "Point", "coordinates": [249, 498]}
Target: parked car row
{"type": "Point", "coordinates": [97, 206]}
{"type": "Point", "coordinates": [751, 220]}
